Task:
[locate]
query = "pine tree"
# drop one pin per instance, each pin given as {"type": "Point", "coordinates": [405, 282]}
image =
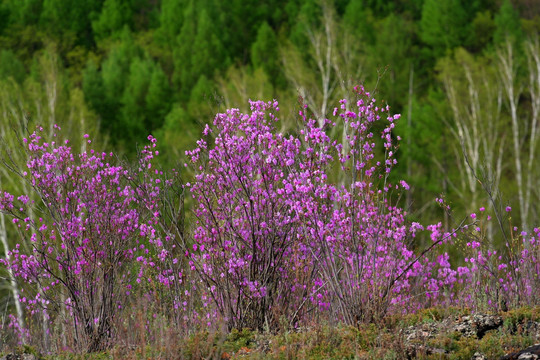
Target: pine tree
{"type": "Point", "coordinates": [114, 15]}
{"type": "Point", "coordinates": [507, 24]}
{"type": "Point", "coordinates": [265, 53]}
{"type": "Point", "coordinates": [444, 25]}
{"type": "Point", "coordinates": [171, 19]}
{"type": "Point", "coordinates": [157, 99]}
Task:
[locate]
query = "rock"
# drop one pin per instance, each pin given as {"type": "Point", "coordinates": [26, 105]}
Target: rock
{"type": "Point", "coordinates": [478, 324]}
{"type": "Point", "coordinates": [414, 351]}
{"type": "Point", "coordinates": [530, 353]}
{"type": "Point", "coordinates": [478, 356]}
{"type": "Point", "coordinates": [484, 323]}
{"type": "Point", "coordinates": [464, 326]}
{"type": "Point", "coordinates": [532, 328]}
{"type": "Point", "coordinates": [18, 357]}
{"type": "Point", "coordinates": [421, 332]}
{"type": "Point", "coordinates": [527, 356]}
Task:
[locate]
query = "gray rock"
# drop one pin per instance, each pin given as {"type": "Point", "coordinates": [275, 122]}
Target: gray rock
{"type": "Point", "coordinates": [477, 325]}
{"type": "Point", "coordinates": [18, 357]}
{"type": "Point", "coordinates": [530, 353]}
{"type": "Point", "coordinates": [528, 356]}
{"type": "Point", "coordinates": [478, 356]}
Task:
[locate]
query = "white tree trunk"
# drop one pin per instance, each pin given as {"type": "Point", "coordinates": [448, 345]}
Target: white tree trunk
{"type": "Point", "coordinates": [13, 283]}
{"type": "Point", "coordinates": [508, 73]}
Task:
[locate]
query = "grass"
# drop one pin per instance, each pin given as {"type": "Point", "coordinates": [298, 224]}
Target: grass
{"type": "Point", "coordinates": [520, 329]}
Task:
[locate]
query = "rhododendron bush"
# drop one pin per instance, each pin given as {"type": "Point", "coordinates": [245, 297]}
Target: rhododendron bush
{"type": "Point", "coordinates": [82, 235]}
{"type": "Point", "coordinates": [284, 228]}
{"type": "Point", "coordinates": [277, 232]}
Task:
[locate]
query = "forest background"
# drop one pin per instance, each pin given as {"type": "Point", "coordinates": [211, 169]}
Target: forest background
{"type": "Point", "coordinates": [465, 75]}
{"type": "Point", "coordinates": [125, 69]}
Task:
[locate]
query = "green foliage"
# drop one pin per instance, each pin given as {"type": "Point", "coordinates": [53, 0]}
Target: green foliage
{"type": "Point", "coordinates": [201, 99]}
{"type": "Point", "coordinates": [482, 29]}
{"type": "Point", "coordinates": [10, 66]}
{"type": "Point", "coordinates": [507, 24]}
{"type": "Point", "coordinates": [130, 93]}
{"type": "Point", "coordinates": [133, 119]}
{"type": "Point", "coordinates": [394, 52]}
{"type": "Point", "coordinates": [4, 17]}
{"type": "Point", "coordinates": [444, 25]}
{"type": "Point", "coordinates": [359, 20]}
{"type": "Point", "coordinates": [114, 15]}
{"type": "Point", "coordinates": [23, 12]}
{"type": "Point", "coordinates": [157, 99]}
{"type": "Point", "coordinates": [177, 133]}
{"type": "Point", "coordinates": [146, 14]}
{"type": "Point", "coordinates": [60, 17]}
{"type": "Point", "coordinates": [238, 339]}
{"type": "Point", "coordinates": [308, 17]}
{"type": "Point", "coordinates": [265, 53]}
{"type": "Point", "coordinates": [198, 51]}
{"type": "Point", "coordinates": [516, 317]}
{"type": "Point", "coordinates": [171, 19]}
{"type": "Point", "coordinates": [208, 53]}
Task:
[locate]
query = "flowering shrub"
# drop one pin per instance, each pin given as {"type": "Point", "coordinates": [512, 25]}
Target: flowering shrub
{"type": "Point", "coordinates": [83, 233]}
{"type": "Point", "coordinates": [499, 278]}
{"type": "Point", "coordinates": [286, 227]}
{"type": "Point", "coordinates": [249, 248]}
{"type": "Point", "coordinates": [274, 230]}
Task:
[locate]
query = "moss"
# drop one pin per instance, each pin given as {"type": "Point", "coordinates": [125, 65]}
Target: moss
{"type": "Point", "coordinates": [464, 348]}
{"type": "Point", "coordinates": [492, 343]}
{"type": "Point", "coordinates": [237, 340]}
{"type": "Point", "coordinates": [518, 316]}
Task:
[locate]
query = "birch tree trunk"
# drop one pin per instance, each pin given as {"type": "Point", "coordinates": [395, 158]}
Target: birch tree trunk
{"type": "Point", "coordinates": [13, 283]}
{"type": "Point", "coordinates": [532, 49]}
{"type": "Point", "coordinates": [508, 75]}
{"type": "Point", "coordinates": [476, 103]}
{"type": "Point", "coordinates": [408, 200]}
{"type": "Point", "coordinates": [338, 65]}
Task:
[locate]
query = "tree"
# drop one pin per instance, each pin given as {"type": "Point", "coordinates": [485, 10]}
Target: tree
{"type": "Point", "coordinates": [157, 99]}
{"type": "Point", "coordinates": [392, 57]}
{"type": "Point", "coordinates": [359, 21]}
{"type": "Point", "coordinates": [26, 12]}
{"type": "Point", "coordinates": [507, 65]}
{"type": "Point", "coordinates": [444, 25]}
{"type": "Point", "coordinates": [171, 19]}
{"type": "Point", "coordinates": [70, 18]}
{"type": "Point", "coordinates": [115, 14]}
{"type": "Point", "coordinates": [4, 17]}
{"type": "Point", "coordinates": [507, 24]}
{"type": "Point", "coordinates": [239, 85]}
{"type": "Point", "coordinates": [198, 51]}
{"type": "Point", "coordinates": [130, 92]}
{"type": "Point", "coordinates": [475, 98]}
{"type": "Point", "coordinates": [208, 52]}
{"type": "Point", "coordinates": [334, 62]}
{"type": "Point", "coordinates": [265, 53]}
{"type": "Point", "coordinates": [532, 50]}
{"type": "Point", "coordinates": [132, 119]}
{"type": "Point", "coordinates": [482, 29]}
